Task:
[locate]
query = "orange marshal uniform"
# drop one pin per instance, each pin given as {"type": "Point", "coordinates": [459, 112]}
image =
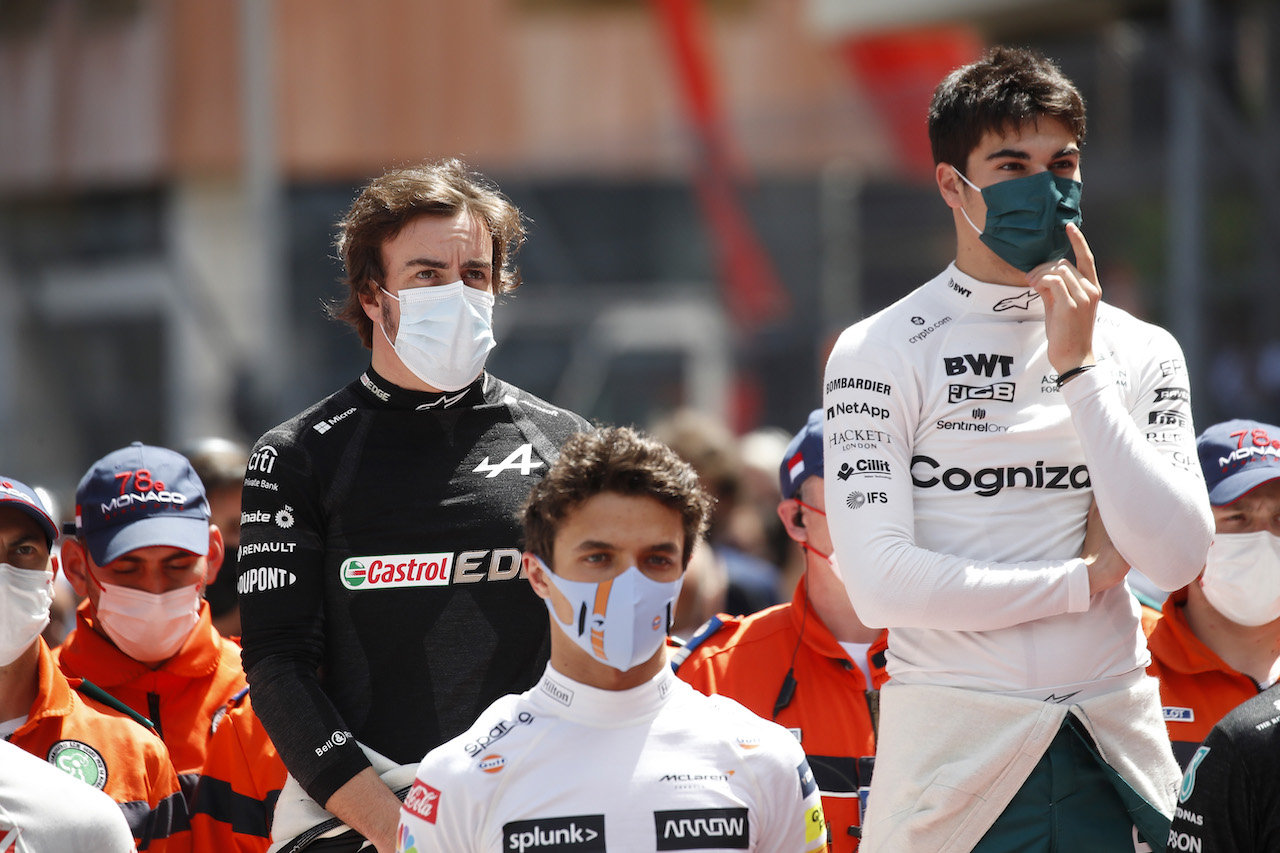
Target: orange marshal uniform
{"type": "Point", "coordinates": [1197, 688]}
{"type": "Point", "coordinates": [110, 751]}
{"type": "Point", "coordinates": [747, 660]}
{"type": "Point", "coordinates": [236, 795]}
{"type": "Point", "coordinates": [180, 698]}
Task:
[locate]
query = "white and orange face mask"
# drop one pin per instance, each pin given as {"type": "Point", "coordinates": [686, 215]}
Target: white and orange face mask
{"type": "Point", "coordinates": [621, 622]}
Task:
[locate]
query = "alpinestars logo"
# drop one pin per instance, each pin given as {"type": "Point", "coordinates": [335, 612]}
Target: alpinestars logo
{"type": "Point", "coordinates": [1022, 301]}
{"type": "Point", "coordinates": [702, 829]}
{"type": "Point", "coordinates": [521, 459]}
{"type": "Point", "coordinates": [576, 834]}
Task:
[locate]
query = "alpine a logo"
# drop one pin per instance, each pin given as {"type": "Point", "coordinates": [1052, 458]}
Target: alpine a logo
{"type": "Point", "coordinates": [423, 801]}
{"type": "Point", "coordinates": [394, 571]}
{"type": "Point", "coordinates": [521, 459]}
{"type": "Point", "coordinates": [989, 482]}
{"type": "Point", "coordinates": [576, 834]}
{"type": "Point", "coordinates": [702, 829]}
{"type": "Point", "coordinates": [1022, 301]}
{"type": "Point", "coordinates": [264, 579]}
{"type": "Point", "coordinates": [1002, 391]}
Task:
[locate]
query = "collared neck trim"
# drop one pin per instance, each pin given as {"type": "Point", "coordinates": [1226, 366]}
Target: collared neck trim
{"type": "Point", "coordinates": [995, 300]}
{"type": "Point", "coordinates": [582, 703]}
{"type": "Point", "coordinates": [380, 391]}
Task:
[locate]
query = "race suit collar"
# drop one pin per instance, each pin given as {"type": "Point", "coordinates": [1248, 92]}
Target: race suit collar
{"type": "Point", "coordinates": [561, 696]}
{"type": "Point", "coordinates": [998, 301]}
{"type": "Point", "coordinates": [381, 392]}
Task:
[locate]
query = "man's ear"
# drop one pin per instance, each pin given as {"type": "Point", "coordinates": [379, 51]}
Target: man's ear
{"type": "Point", "coordinates": [217, 553]}
{"type": "Point", "coordinates": [75, 561]}
{"type": "Point", "coordinates": [536, 574]}
{"type": "Point", "coordinates": [369, 302]}
{"type": "Point", "coordinates": [950, 186]}
{"type": "Point", "coordinates": [789, 512]}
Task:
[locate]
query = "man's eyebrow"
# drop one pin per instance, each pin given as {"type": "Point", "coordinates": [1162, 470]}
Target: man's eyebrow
{"type": "Point", "coordinates": [1008, 152]}
{"type": "Point", "coordinates": [432, 263]}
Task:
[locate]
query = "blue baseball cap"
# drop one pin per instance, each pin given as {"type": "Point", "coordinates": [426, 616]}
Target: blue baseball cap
{"type": "Point", "coordinates": [22, 497]}
{"type": "Point", "coordinates": [141, 496]}
{"type": "Point", "coordinates": [803, 456]}
{"type": "Point", "coordinates": [1238, 456]}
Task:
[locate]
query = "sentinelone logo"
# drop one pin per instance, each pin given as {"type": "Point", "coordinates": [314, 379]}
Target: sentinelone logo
{"type": "Point", "coordinates": [702, 829]}
{"type": "Point", "coordinates": [396, 570]}
{"type": "Point", "coordinates": [576, 834]}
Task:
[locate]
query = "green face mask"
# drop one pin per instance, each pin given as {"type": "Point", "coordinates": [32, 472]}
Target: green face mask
{"type": "Point", "coordinates": [1027, 218]}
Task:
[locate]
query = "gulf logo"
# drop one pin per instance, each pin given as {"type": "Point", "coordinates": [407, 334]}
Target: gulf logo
{"type": "Point", "coordinates": [492, 763]}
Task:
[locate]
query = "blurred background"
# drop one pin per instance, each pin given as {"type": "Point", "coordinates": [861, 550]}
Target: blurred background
{"type": "Point", "coordinates": [715, 188]}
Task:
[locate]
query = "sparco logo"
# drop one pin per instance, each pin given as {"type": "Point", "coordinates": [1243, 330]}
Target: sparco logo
{"type": "Point", "coordinates": [1172, 394]}
{"type": "Point", "coordinates": [926, 332]}
{"type": "Point", "coordinates": [576, 834]}
{"type": "Point", "coordinates": [263, 459]}
{"type": "Point", "coordinates": [335, 740]}
{"type": "Point", "coordinates": [1002, 391]}
{"type": "Point", "coordinates": [856, 409]}
{"type": "Point", "coordinates": [849, 383]}
{"type": "Point", "coordinates": [982, 364]}
{"type": "Point", "coordinates": [702, 829]}
{"type": "Point", "coordinates": [988, 482]}
{"type": "Point", "coordinates": [396, 570]}
{"type": "Point", "coordinates": [264, 579]}
{"type": "Point", "coordinates": [499, 731]}
{"type": "Point", "coordinates": [864, 468]}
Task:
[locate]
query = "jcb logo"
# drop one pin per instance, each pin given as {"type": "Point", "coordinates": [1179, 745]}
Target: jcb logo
{"type": "Point", "coordinates": [982, 364]}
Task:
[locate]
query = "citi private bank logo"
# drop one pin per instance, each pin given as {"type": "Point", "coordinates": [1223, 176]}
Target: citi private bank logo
{"type": "Point", "coordinates": [394, 571]}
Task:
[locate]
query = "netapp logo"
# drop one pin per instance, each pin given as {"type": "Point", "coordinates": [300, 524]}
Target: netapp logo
{"type": "Point", "coordinates": [1002, 391]}
{"type": "Point", "coordinates": [576, 834]}
{"type": "Point", "coordinates": [856, 409]}
{"type": "Point", "coordinates": [925, 332]}
{"type": "Point", "coordinates": [864, 468]}
{"type": "Point", "coordinates": [849, 383]}
{"type": "Point", "coordinates": [498, 732]}
{"type": "Point", "coordinates": [264, 579]}
{"type": "Point", "coordinates": [990, 481]}
{"type": "Point", "coordinates": [982, 364]}
{"type": "Point", "coordinates": [264, 459]}
{"type": "Point", "coordinates": [1167, 419]}
{"type": "Point", "coordinates": [702, 829]}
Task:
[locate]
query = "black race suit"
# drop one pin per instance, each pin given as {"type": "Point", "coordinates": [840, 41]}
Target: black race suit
{"type": "Point", "coordinates": [381, 590]}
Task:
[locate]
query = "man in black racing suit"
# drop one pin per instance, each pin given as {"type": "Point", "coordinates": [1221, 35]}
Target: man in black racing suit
{"type": "Point", "coordinates": [382, 596]}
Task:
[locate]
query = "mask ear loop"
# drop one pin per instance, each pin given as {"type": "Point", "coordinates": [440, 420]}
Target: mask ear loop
{"type": "Point", "coordinates": [964, 212]}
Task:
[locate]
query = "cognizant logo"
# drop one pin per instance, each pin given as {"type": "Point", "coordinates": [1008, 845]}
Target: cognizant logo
{"type": "Point", "coordinates": [989, 482]}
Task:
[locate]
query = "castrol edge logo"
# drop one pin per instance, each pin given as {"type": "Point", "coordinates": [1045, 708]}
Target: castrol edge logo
{"type": "Point", "coordinates": [394, 571]}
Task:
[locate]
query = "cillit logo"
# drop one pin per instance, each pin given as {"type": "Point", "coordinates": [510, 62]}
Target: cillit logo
{"type": "Point", "coordinates": [865, 468]}
{"type": "Point", "coordinates": [988, 482]}
{"type": "Point", "coordinates": [1001, 391]}
{"type": "Point", "coordinates": [702, 829]}
{"type": "Point", "coordinates": [982, 364]}
{"type": "Point", "coordinates": [263, 459]}
{"type": "Point", "coordinates": [423, 801]}
{"type": "Point", "coordinates": [575, 834]}
{"type": "Point", "coordinates": [393, 571]}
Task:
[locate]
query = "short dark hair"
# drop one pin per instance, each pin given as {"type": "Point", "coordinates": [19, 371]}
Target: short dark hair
{"type": "Point", "coordinates": [389, 203]}
{"type": "Point", "coordinates": [620, 460]}
{"type": "Point", "coordinates": [1006, 88]}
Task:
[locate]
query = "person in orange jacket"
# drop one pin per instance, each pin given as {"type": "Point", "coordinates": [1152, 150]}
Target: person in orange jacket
{"type": "Point", "coordinates": [143, 552]}
{"type": "Point", "coordinates": [809, 665]}
{"type": "Point", "coordinates": [1216, 642]}
{"type": "Point", "coordinates": [45, 714]}
{"type": "Point", "coordinates": [235, 796]}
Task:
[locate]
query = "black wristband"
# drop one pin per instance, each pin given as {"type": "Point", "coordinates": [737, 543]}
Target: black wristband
{"type": "Point", "coordinates": [1075, 371]}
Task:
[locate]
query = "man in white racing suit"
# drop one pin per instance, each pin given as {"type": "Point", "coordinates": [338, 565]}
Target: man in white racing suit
{"type": "Point", "coordinates": [1001, 448]}
{"type": "Point", "coordinates": [610, 751]}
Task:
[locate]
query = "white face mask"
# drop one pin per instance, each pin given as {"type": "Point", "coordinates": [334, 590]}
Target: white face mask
{"type": "Point", "coordinates": [1242, 577]}
{"type": "Point", "coordinates": [620, 622]}
{"type": "Point", "coordinates": [445, 333]}
{"type": "Point", "coordinates": [25, 596]}
{"type": "Point", "coordinates": [147, 626]}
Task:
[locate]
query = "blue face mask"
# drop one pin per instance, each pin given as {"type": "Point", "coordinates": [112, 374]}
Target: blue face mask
{"type": "Point", "coordinates": [1027, 218]}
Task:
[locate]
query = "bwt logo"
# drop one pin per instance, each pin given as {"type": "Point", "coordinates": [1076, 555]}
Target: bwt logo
{"type": "Point", "coordinates": [1001, 391]}
{"type": "Point", "coordinates": [857, 500]}
{"type": "Point", "coordinates": [963, 291]}
{"type": "Point", "coordinates": [698, 829]}
{"type": "Point", "coordinates": [982, 364]}
{"type": "Point", "coordinates": [264, 459]}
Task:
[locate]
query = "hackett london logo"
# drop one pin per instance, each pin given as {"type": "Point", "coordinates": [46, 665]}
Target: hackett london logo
{"type": "Point", "coordinates": [394, 571]}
